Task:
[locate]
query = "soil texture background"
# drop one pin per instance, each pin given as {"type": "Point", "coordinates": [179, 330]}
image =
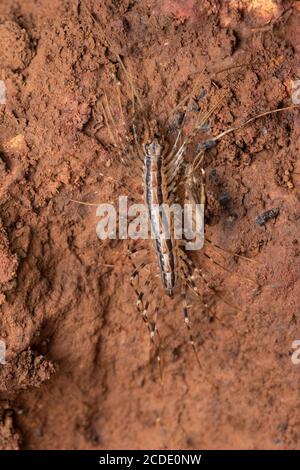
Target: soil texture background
{"type": "Point", "coordinates": [79, 371]}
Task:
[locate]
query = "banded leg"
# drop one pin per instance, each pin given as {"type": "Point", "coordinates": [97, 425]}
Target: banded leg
{"type": "Point", "coordinates": [188, 325]}
{"type": "Point", "coordinates": [188, 280]}
{"type": "Point", "coordinates": [143, 309]}
{"type": "Point", "coordinates": [139, 293]}
{"type": "Point", "coordinates": [198, 273]}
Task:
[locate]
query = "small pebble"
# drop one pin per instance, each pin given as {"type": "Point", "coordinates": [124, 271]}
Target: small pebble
{"type": "Point", "coordinates": [38, 432]}
{"type": "Point", "coordinates": [2, 92]}
{"type": "Point", "coordinates": [194, 106]}
{"type": "Point", "coordinates": [213, 175]}
{"type": "Point", "coordinates": [205, 127]}
{"type": "Point", "coordinates": [296, 92]}
{"type": "Point", "coordinates": [224, 199]}
{"type": "Point", "coordinates": [22, 254]}
{"type": "Point", "coordinates": [179, 118]}
{"type": "Point", "coordinates": [201, 95]}
{"type": "Point", "coordinates": [208, 144]}
{"type": "Point", "coordinates": [263, 218]}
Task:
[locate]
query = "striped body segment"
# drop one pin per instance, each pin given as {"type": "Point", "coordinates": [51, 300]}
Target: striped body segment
{"type": "Point", "coordinates": [156, 196]}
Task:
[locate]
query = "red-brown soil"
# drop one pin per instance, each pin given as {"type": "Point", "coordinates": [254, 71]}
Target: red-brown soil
{"type": "Point", "coordinates": [78, 372]}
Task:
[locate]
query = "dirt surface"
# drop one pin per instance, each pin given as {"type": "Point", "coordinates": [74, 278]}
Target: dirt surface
{"type": "Point", "coordinates": [79, 370]}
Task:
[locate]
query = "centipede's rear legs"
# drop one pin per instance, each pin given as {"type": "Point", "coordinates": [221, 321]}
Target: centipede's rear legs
{"type": "Point", "coordinates": [143, 306]}
{"type": "Point", "coordinates": [188, 324]}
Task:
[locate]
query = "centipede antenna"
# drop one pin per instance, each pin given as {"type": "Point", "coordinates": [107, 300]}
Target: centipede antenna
{"type": "Point", "coordinates": [85, 203]}
{"type": "Point", "coordinates": [208, 114]}
{"type": "Point", "coordinates": [112, 119]}
{"type": "Point", "coordinates": [120, 102]}
{"type": "Point", "coordinates": [109, 116]}
{"type": "Point", "coordinates": [119, 59]}
{"type": "Point", "coordinates": [112, 136]}
{"type": "Point", "coordinates": [129, 78]}
{"type": "Point", "coordinates": [134, 92]}
{"type": "Point", "coordinates": [227, 69]}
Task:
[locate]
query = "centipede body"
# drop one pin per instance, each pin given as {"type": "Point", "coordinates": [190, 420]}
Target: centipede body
{"type": "Point", "coordinates": [156, 193]}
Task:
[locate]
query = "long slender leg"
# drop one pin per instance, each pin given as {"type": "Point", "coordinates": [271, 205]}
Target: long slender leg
{"type": "Point", "coordinates": [186, 274]}
{"type": "Point", "coordinates": [254, 118]}
{"type": "Point", "coordinates": [143, 309]}
{"type": "Point", "coordinates": [188, 282]}
{"type": "Point", "coordinates": [134, 92]}
{"type": "Point", "coordinates": [154, 333]}
{"type": "Point", "coordinates": [174, 167]}
{"type": "Point", "coordinates": [189, 325]}
{"type": "Point", "coordinates": [138, 146]}
{"type": "Point", "coordinates": [232, 253]}
{"type": "Point", "coordinates": [197, 273]}
{"type": "Point", "coordinates": [214, 140]}
{"type": "Point", "coordinates": [126, 155]}
{"type": "Point", "coordinates": [216, 263]}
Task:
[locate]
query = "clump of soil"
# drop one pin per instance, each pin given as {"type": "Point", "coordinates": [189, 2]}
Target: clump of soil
{"type": "Point", "coordinates": [8, 261]}
{"type": "Point", "coordinates": [15, 45]}
{"type": "Point", "coordinates": [79, 371]}
{"type": "Point", "coordinates": [9, 438]}
{"type": "Point", "coordinates": [25, 370]}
